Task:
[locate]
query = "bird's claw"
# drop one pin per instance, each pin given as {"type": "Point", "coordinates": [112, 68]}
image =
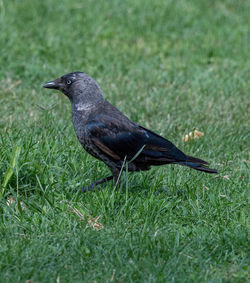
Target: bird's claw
{"type": "Point", "coordinates": [84, 189]}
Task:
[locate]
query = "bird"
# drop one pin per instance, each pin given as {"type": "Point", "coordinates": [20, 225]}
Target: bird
{"type": "Point", "coordinates": [110, 136]}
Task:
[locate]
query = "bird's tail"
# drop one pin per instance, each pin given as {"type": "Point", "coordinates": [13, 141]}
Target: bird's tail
{"type": "Point", "coordinates": [198, 164]}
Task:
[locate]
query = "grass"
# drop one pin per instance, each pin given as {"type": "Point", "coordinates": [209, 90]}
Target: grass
{"type": "Point", "coordinates": [172, 66]}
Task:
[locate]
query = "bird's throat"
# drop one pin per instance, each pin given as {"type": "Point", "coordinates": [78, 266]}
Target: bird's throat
{"type": "Point", "coordinates": [84, 106]}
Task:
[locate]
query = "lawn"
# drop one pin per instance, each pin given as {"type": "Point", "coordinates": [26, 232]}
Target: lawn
{"type": "Point", "coordinates": [171, 66]}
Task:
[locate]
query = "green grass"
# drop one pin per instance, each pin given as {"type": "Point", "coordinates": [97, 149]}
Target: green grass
{"type": "Point", "coordinates": [172, 66]}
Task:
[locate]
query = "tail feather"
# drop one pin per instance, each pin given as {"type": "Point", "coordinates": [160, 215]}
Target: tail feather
{"type": "Point", "coordinates": [198, 164]}
{"type": "Point", "coordinates": [196, 160]}
{"type": "Point", "coordinates": [201, 167]}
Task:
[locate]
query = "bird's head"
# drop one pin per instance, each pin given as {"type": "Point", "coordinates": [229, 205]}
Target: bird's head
{"type": "Point", "coordinates": [78, 86]}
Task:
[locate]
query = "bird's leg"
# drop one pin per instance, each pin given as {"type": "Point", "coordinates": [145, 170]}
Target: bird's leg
{"type": "Point", "coordinates": [96, 183]}
{"type": "Point", "coordinates": [115, 176]}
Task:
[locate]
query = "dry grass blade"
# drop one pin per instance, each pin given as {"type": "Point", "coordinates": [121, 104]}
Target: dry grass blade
{"type": "Point", "coordinates": [78, 213]}
{"type": "Point", "coordinates": [92, 221]}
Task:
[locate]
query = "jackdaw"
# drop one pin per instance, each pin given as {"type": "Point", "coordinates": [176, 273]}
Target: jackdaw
{"type": "Point", "coordinates": [108, 135]}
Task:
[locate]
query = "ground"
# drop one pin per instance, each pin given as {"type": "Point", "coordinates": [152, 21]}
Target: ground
{"type": "Point", "coordinates": [171, 66]}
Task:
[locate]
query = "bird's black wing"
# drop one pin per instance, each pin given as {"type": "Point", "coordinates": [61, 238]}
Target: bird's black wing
{"type": "Point", "coordinates": [118, 138]}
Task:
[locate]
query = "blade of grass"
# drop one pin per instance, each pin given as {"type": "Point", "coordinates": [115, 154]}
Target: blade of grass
{"type": "Point", "coordinates": [13, 163]}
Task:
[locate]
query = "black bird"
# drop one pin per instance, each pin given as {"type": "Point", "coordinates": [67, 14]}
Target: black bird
{"type": "Point", "coordinates": [110, 136]}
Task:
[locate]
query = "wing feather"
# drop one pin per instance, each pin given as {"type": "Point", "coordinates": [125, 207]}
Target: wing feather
{"type": "Point", "coordinates": [118, 139]}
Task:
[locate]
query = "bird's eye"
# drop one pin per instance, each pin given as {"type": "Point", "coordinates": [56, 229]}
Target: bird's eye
{"type": "Point", "coordinates": [69, 82]}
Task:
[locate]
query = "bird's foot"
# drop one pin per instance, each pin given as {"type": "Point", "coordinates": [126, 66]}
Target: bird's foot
{"type": "Point", "coordinates": [84, 189]}
{"type": "Point", "coordinates": [95, 184]}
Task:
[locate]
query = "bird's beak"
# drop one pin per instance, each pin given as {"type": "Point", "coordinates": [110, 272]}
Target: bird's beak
{"type": "Point", "coordinates": [53, 84]}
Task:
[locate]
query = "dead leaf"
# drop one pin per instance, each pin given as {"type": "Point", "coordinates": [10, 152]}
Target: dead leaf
{"type": "Point", "coordinates": [186, 138]}
{"type": "Point", "coordinates": [193, 135]}
{"type": "Point", "coordinates": [12, 201]}
{"type": "Point", "coordinates": [198, 134]}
